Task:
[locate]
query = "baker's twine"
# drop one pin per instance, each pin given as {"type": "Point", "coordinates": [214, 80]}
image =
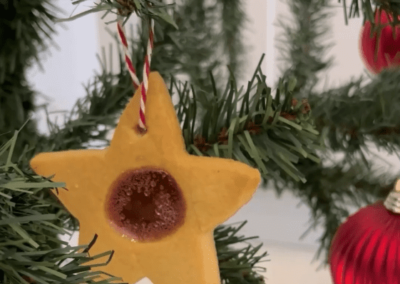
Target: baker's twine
{"type": "Point", "coordinates": [146, 69]}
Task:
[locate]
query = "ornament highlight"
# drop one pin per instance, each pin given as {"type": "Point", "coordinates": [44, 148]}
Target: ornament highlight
{"type": "Point", "coordinates": [366, 247]}
{"type": "Point", "coordinates": [147, 199]}
{"type": "Point", "coordinates": [383, 53]}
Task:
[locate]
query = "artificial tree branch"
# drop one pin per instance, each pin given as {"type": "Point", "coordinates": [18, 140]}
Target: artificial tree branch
{"type": "Point", "coordinates": [248, 125]}
{"type": "Point", "coordinates": [30, 252]}
{"type": "Point", "coordinates": [245, 257]}
{"type": "Point", "coordinates": [153, 9]}
{"type": "Point", "coordinates": [211, 45]}
{"type": "Point", "coordinates": [302, 43]}
{"type": "Point", "coordinates": [24, 35]}
{"type": "Point", "coordinates": [233, 10]}
{"type": "Point", "coordinates": [351, 116]}
{"type": "Point", "coordinates": [361, 112]}
{"type": "Point", "coordinates": [341, 111]}
{"type": "Point", "coordinates": [367, 8]}
{"type": "Point", "coordinates": [331, 189]}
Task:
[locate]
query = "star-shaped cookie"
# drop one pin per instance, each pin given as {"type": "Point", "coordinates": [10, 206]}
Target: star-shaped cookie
{"type": "Point", "coordinates": [147, 199]}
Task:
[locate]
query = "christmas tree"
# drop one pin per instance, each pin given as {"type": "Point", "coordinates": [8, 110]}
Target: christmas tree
{"type": "Point", "coordinates": [288, 131]}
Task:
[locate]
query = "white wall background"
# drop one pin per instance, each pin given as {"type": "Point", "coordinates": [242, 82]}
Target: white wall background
{"type": "Point", "coordinates": [278, 222]}
{"type": "Point", "coordinates": [67, 65]}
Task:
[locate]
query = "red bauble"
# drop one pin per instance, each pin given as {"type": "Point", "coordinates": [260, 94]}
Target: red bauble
{"type": "Point", "coordinates": [366, 248]}
{"type": "Point", "coordinates": [387, 46]}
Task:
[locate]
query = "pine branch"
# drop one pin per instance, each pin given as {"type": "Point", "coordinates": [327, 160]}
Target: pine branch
{"type": "Point", "coordinates": [303, 45]}
{"type": "Point", "coordinates": [153, 9]}
{"type": "Point", "coordinates": [192, 50]}
{"type": "Point", "coordinates": [374, 106]}
{"type": "Point", "coordinates": [367, 8]}
{"type": "Point", "coordinates": [248, 125]}
{"type": "Point", "coordinates": [330, 190]}
{"type": "Point", "coordinates": [230, 258]}
{"type": "Point", "coordinates": [23, 34]}
{"type": "Point", "coordinates": [352, 117]}
{"type": "Point", "coordinates": [30, 252]}
{"type": "Point", "coordinates": [233, 11]}
{"type": "Point", "coordinates": [26, 28]}
{"type": "Point", "coordinates": [288, 148]}
{"type": "Point", "coordinates": [352, 134]}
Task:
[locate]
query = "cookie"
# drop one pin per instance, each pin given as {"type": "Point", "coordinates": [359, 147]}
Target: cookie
{"type": "Point", "coordinates": [147, 199]}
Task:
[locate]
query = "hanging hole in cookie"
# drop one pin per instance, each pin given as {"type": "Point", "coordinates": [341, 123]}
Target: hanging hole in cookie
{"type": "Point", "coordinates": [140, 130]}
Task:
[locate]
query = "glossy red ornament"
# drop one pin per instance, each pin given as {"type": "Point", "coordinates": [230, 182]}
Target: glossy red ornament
{"type": "Point", "coordinates": [387, 46]}
{"type": "Point", "coordinates": [366, 248]}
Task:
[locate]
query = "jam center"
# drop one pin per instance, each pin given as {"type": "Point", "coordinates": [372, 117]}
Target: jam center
{"type": "Point", "coordinates": [146, 204]}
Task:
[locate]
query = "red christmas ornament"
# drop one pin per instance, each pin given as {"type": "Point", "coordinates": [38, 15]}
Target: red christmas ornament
{"type": "Point", "coordinates": [366, 248]}
{"type": "Point", "coordinates": [382, 53]}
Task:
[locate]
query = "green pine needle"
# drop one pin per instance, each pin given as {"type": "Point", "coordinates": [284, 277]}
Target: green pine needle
{"type": "Point", "coordinates": [150, 8]}
{"type": "Point", "coordinates": [367, 8]}
{"type": "Point", "coordinates": [28, 250]}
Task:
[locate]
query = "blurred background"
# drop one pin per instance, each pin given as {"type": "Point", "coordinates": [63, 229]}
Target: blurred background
{"type": "Point", "coordinates": [278, 221]}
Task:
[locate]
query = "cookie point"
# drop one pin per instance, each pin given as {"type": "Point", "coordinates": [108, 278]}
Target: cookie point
{"type": "Point", "coordinates": [154, 75]}
{"type": "Point", "coordinates": [36, 161]}
{"type": "Point", "coordinates": [140, 130]}
{"type": "Point", "coordinates": [155, 78]}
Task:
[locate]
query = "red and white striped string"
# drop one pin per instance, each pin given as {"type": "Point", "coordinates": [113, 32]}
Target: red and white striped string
{"type": "Point", "coordinates": [132, 71]}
